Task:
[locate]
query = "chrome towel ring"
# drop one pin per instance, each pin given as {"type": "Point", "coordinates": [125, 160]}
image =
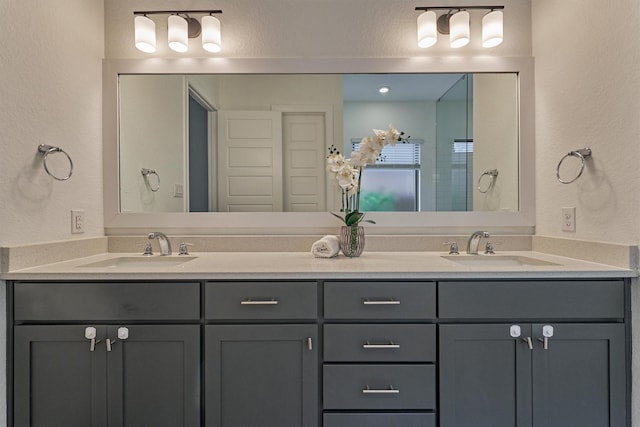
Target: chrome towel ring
{"type": "Point", "coordinates": [582, 154]}
{"type": "Point", "coordinates": [45, 150]}
{"type": "Point", "coordinates": [145, 173]}
{"type": "Point", "coordinates": [492, 174]}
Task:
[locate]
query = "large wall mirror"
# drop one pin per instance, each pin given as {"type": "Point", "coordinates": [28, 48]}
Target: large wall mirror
{"type": "Point", "coordinates": [239, 146]}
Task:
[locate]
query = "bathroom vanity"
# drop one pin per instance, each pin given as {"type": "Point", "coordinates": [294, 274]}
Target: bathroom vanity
{"type": "Point", "coordinates": [345, 347]}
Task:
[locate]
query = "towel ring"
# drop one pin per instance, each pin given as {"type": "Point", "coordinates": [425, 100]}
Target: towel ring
{"type": "Point", "coordinates": [145, 173]}
{"type": "Point", "coordinates": [45, 150]}
{"type": "Point", "coordinates": [492, 174]}
{"type": "Point", "coordinates": [582, 154]}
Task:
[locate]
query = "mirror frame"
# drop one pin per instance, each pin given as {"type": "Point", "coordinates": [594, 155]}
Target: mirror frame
{"type": "Point", "coordinates": [312, 223]}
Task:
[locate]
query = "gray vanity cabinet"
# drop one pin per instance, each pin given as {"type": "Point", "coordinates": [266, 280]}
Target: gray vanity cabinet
{"type": "Point", "coordinates": [570, 371]}
{"type": "Point", "coordinates": [379, 366]}
{"type": "Point", "coordinates": [130, 374]}
{"type": "Point", "coordinates": [58, 381]}
{"type": "Point", "coordinates": [261, 354]}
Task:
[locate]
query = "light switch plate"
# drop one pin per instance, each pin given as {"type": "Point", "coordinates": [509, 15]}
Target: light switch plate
{"type": "Point", "coordinates": [77, 221]}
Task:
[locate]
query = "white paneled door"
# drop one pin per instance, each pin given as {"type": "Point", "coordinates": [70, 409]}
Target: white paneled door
{"type": "Point", "coordinates": [304, 162]}
{"type": "Point", "coordinates": [250, 161]}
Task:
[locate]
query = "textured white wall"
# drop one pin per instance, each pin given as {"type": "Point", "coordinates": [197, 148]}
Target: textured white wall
{"type": "Point", "coordinates": [51, 93]}
{"type": "Point", "coordinates": [588, 95]}
{"type": "Point", "coordinates": [153, 132]}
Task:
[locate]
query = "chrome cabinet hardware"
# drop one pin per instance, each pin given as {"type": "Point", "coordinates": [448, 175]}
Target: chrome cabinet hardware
{"type": "Point", "coordinates": [529, 342]}
{"type": "Point", "coordinates": [123, 334]}
{"type": "Point", "coordinates": [309, 344]}
{"type": "Point", "coordinates": [391, 301]}
{"type": "Point", "coordinates": [271, 301]}
{"type": "Point", "coordinates": [515, 331]}
{"type": "Point", "coordinates": [547, 332]}
{"type": "Point", "coordinates": [391, 345]}
{"type": "Point", "coordinates": [390, 390]}
{"type": "Point", "coordinates": [90, 333]}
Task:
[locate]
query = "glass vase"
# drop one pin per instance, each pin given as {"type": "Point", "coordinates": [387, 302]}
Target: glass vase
{"type": "Point", "coordinates": [352, 240]}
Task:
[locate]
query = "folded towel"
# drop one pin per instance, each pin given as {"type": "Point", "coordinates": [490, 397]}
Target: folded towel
{"type": "Point", "coordinates": [327, 247]}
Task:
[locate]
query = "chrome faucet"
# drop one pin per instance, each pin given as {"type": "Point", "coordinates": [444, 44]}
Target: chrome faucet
{"type": "Point", "coordinates": [163, 241]}
{"type": "Point", "coordinates": [474, 242]}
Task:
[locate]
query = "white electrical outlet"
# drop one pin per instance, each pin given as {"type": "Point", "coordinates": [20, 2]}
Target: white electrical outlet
{"type": "Point", "coordinates": [569, 219]}
{"type": "Point", "coordinates": [77, 221]}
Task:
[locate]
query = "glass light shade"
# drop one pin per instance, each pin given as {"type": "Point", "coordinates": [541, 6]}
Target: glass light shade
{"type": "Point", "coordinates": [211, 35]}
{"type": "Point", "coordinates": [145, 34]}
{"type": "Point", "coordinates": [427, 29]}
{"type": "Point", "coordinates": [178, 33]}
{"type": "Point", "coordinates": [492, 29]}
{"type": "Point", "coordinates": [459, 29]}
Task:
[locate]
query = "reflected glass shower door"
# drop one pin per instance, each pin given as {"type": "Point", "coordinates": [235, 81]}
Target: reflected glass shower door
{"type": "Point", "coordinates": [454, 147]}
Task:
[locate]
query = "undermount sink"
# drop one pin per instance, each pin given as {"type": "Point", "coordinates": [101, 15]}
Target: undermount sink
{"type": "Point", "coordinates": [497, 260]}
{"type": "Point", "coordinates": [139, 261]}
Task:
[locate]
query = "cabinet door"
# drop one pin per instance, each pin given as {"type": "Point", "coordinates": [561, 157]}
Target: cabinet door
{"type": "Point", "coordinates": [579, 380]}
{"type": "Point", "coordinates": [261, 375]}
{"type": "Point", "coordinates": [58, 380]}
{"type": "Point", "coordinates": [485, 376]}
{"type": "Point", "coordinates": [154, 376]}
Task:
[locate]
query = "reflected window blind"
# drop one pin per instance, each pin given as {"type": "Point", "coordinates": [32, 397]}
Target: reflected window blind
{"type": "Point", "coordinates": [405, 154]}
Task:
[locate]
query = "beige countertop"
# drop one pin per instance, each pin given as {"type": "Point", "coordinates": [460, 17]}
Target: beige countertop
{"type": "Point", "coordinates": [303, 265]}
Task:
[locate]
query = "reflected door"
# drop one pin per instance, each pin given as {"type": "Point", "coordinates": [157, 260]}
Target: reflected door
{"type": "Point", "coordinates": [250, 161]}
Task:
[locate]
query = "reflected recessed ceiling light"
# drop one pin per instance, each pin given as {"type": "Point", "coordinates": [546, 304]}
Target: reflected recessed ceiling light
{"type": "Point", "coordinates": [384, 89]}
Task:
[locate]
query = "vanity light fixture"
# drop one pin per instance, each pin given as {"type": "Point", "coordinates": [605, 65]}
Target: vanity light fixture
{"type": "Point", "coordinates": [211, 35]}
{"type": "Point", "coordinates": [178, 33]}
{"type": "Point", "coordinates": [455, 23]}
{"type": "Point", "coordinates": [459, 32]}
{"type": "Point", "coordinates": [181, 27]}
{"type": "Point", "coordinates": [145, 34]}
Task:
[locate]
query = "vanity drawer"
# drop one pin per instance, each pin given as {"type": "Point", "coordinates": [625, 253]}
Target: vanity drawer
{"type": "Point", "coordinates": [379, 387]}
{"type": "Point", "coordinates": [380, 300]}
{"type": "Point", "coordinates": [379, 420]}
{"type": "Point", "coordinates": [106, 301]}
{"type": "Point", "coordinates": [261, 300]}
{"type": "Point", "coordinates": [379, 343]}
{"type": "Point", "coordinates": [601, 299]}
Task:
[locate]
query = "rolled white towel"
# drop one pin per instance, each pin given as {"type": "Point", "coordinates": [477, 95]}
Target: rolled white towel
{"type": "Point", "coordinates": [327, 247]}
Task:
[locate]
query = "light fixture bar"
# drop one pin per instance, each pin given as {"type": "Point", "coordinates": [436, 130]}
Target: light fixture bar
{"type": "Point", "coordinates": [174, 12]}
{"type": "Point", "coordinates": [458, 8]}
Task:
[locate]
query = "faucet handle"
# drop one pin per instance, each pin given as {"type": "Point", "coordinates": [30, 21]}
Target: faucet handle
{"type": "Point", "coordinates": [147, 249]}
{"type": "Point", "coordinates": [488, 249]}
{"type": "Point", "coordinates": [453, 247]}
{"type": "Point", "coordinates": [183, 250]}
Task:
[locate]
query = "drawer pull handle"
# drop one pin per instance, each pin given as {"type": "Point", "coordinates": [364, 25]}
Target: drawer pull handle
{"type": "Point", "coordinates": [390, 390]}
{"type": "Point", "coordinates": [259, 302]}
{"type": "Point", "coordinates": [381, 302]}
{"type": "Point", "coordinates": [391, 345]}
